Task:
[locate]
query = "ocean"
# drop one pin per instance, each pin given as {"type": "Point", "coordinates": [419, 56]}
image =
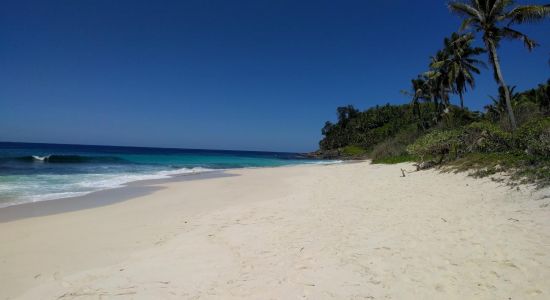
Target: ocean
{"type": "Point", "coordinates": [32, 172]}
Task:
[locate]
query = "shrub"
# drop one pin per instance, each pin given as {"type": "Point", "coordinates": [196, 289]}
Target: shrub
{"type": "Point", "coordinates": [526, 111]}
{"type": "Point", "coordinates": [478, 137]}
{"type": "Point", "coordinates": [484, 137]}
{"type": "Point", "coordinates": [353, 151]}
{"type": "Point", "coordinates": [458, 117]}
{"type": "Point", "coordinates": [395, 159]}
{"type": "Point", "coordinates": [534, 137]}
{"type": "Point", "coordinates": [395, 149]}
{"type": "Point", "coordinates": [438, 143]}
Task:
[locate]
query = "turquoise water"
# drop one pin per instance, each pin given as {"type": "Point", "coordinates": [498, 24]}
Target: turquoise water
{"type": "Point", "coordinates": [38, 172]}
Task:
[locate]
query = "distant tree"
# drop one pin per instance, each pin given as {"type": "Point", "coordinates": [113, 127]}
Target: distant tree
{"type": "Point", "coordinates": [497, 109]}
{"type": "Point", "coordinates": [439, 79]}
{"type": "Point", "coordinates": [493, 18]}
{"type": "Point", "coordinates": [422, 91]}
{"type": "Point", "coordinates": [418, 92]}
{"type": "Point", "coordinates": [462, 64]}
{"type": "Point", "coordinates": [544, 96]}
{"type": "Point", "coordinates": [346, 113]}
{"type": "Point", "coordinates": [365, 128]}
{"type": "Point", "coordinates": [453, 67]}
{"type": "Point", "coordinates": [327, 128]}
{"type": "Point", "coordinates": [432, 88]}
{"type": "Point", "coordinates": [539, 96]}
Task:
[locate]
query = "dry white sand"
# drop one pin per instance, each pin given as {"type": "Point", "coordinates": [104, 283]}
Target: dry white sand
{"type": "Point", "coordinates": [350, 231]}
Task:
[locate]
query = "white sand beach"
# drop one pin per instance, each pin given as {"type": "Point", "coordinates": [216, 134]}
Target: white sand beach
{"type": "Point", "coordinates": [346, 231]}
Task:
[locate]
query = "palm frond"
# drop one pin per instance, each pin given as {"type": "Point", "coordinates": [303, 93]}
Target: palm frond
{"type": "Point", "coordinates": [437, 64]}
{"type": "Point", "coordinates": [499, 6]}
{"type": "Point", "coordinates": [476, 63]}
{"type": "Point", "coordinates": [510, 33]}
{"type": "Point", "coordinates": [528, 14]}
{"type": "Point", "coordinates": [465, 10]}
{"type": "Point", "coordinates": [473, 68]}
{"type": "Point", "coordinates": [466, 23]}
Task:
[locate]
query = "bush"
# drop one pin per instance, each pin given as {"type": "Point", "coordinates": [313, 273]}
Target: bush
{"type": "Point", "coordinates": [479, 137]}
{"type": "Point", "coordinates": [395, 149]}
{"type": "Point", "coordinates": [353, 151]}
{"type": "Point", "coordinates": [534, 137]}
{"type": "Point", "coordinates": [437, 143]}
{"type": "Point", "coordinates": [395, 159]}
{"type": "Point", "coordinates": [526, 111]}
{"type": "Point", "coordinates": [458, 117]}
{"type": "Point", "coordinates": [484, 137]}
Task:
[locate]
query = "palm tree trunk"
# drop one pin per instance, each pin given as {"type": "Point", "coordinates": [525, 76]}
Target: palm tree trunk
{"type": "Point", "coordinates": [461, 100]}
{"type": "Point", "coordinates": [498, 74]}
{"type": "Point", "coordinates": [436, 107]}
{"type": "Point", "coordinates": [444, 100]}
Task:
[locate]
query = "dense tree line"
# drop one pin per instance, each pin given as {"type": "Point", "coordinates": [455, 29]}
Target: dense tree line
{"type": "Point", "coordinates": [365, 128]}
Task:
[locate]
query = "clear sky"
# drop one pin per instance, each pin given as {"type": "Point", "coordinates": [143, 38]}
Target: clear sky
{"type": "Point", "coordinates": [256, 75]}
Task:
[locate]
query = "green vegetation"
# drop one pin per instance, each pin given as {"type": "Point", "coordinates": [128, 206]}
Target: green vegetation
{"type": "Point", "coordinates": [394, 159]}
{"type": "Point", "coordinates": [512, 135]}
{"type": "Point", "coordinates": [353, 151]}
{"type": "Point", "coordinates": [437, 144]}
{"type": "Point", "coordinates": [534, 137]}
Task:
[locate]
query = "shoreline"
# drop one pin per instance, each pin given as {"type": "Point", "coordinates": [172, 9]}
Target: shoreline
{"type": "Point", "coordinates": [313, 231]}
{"type": "Point", "coordinates": [112, 195]}
{"type": "Point", "coordinates": [98, 198]}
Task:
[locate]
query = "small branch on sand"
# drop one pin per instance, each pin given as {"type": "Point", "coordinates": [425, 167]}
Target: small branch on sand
{"type": "Point", "coordinates": [424, 165]}
{"type": "Point", "coordinates": [404, 172]}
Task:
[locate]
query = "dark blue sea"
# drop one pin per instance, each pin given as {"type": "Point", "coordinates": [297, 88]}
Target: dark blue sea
{"type": "Point", "coordinates": [38, 172]}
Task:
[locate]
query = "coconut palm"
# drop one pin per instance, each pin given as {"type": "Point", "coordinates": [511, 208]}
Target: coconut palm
{"type": "Point", "coordinates": [433, 88]}
{"type": "Point", "coordinates": [496, 110]}
{"type": "Point", "coordinates": [493, 18]}
{"type": "Point", "coordinates": [462, 64]}
{"type": "Point", "coordinates": [423, 89]}
{"type": "Point", "coordinates": [540, 96]}
{"type": "Point", "coordinates": [439, 80]}
{"type": "Point", "coordinates": [544, 96]}
{"type": "Point", "coordinates": [418, 91]}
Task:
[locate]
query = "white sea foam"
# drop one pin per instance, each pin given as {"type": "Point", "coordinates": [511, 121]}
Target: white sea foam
{"type": "Point", "coordinates": [53, 196]}
{"type": "Point", "coordinates": [41, 158]}
{"type": "Point", "coordinates": [184, 171]}
{"type": "Point", "coordinates": [118, 180]}
{"type": "Point", "coordinates": [51, 187]}
{"type": "Point", "coordinates": [44, 197]}
{"type": "Point", "coordinates": [325, 162]}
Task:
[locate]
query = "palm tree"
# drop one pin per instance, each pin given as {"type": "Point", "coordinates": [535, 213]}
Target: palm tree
{"type": "Point", "coordinates": [418, 91]}
{"type": "Point", "coordinates": [541, 96]}
{"type": "Point", "coordinates": [425, 89]}
{"type": "Point", "coordinates": [545, 96]}
{"type": "Point", "coordinates": [439, 80]}
{"type": "Point", "coordinates": [461, 65]}
{"type": "Point", "coordinates": [493, 19]}
{"type": "Point", "coordinates": [432, 87]}
{"type": "Point", "coordinates": [496, 110]}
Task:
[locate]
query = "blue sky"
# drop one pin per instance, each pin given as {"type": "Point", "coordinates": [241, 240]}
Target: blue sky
{"type": "Point", "coordinates": [256, 75]}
